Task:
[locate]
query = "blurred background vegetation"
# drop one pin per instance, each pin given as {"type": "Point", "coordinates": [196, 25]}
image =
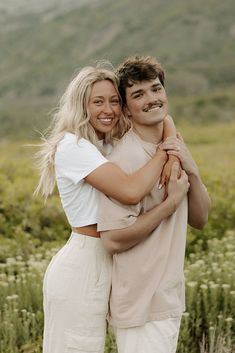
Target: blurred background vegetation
{"type": "Point", "coordinates": [42, 45]}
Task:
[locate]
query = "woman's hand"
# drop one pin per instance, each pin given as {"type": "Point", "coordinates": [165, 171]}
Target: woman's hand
{"type": "Point", "coordinates": [166, 171]}
{"type": "Point", "coordinates": [177, 187]}
{"type": "Point", "coordinates": [174, 146]}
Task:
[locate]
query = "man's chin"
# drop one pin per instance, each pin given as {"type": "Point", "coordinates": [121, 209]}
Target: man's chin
{"type": "Point", "coordinates": [159, 120]}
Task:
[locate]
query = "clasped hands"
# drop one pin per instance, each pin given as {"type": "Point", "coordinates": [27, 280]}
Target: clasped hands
{"type": "Point", "coordinates": [177, 152]}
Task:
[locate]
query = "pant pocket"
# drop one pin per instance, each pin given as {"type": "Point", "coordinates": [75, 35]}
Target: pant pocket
{"type": "Point", "coordinates": [79, 343]}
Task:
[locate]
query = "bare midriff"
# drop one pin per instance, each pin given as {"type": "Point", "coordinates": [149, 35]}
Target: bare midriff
{"type": "Point", "coordinates": [90, 230]}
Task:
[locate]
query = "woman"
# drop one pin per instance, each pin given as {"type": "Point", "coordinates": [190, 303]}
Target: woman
{"type": "Point", "coordinates": [77, 281]}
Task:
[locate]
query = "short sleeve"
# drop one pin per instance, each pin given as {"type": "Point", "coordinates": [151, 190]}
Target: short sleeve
{"type": "Point", "coordinates": [75, 160]}
{"type": "Point", "coordinates": [114, 215]}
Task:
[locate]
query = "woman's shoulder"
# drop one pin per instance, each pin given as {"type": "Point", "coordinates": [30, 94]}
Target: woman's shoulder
{"type": "Point", "coordinates": [71, 141]}
{"type": "Point", "coordinates": [73, 148]}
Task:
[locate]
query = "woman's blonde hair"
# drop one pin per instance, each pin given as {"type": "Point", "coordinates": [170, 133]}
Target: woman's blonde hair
{"type": "Point", "coordinates": [73, 116]}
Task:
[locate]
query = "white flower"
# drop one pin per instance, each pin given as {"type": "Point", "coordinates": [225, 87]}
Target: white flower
{"type": "Point", "coordinates": [10, 260]}
{"type": "Point", "coordinates": [229, 319]}
{"type": "Point", "coordinates": [226, 286]}
{"type": "Point", "coordinates": [192, 284]}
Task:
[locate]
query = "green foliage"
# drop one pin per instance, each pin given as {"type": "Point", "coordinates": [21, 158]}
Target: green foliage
{"type": "Point", "coordinates": [40, 51]}
{"type": "Point", "coordinates": [32, 231]}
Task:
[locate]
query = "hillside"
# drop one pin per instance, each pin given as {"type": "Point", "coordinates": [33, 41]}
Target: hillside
{"type": "Point", "coordinates": [43, 43]}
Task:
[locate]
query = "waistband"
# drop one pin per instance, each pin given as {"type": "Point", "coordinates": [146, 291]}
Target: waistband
{"type": "Point", "coordinates": [85, 241]}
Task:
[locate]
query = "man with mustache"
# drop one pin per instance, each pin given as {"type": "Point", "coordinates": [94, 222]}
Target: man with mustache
{"type": "Point", "coordinates": [148, 295]}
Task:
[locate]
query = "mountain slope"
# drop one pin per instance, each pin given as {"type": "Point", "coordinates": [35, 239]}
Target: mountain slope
{"type": "Point", "coordinates": [41, 48]}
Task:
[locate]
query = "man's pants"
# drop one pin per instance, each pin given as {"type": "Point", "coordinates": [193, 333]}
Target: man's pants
{"type": "Point", "coordinates": [153, 337]}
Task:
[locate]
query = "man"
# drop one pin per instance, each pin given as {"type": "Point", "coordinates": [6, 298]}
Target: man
{"type": "Point", "coordinates": [147, 297]}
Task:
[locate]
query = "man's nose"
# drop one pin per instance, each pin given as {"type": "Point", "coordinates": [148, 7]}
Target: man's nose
{"type": "Point", "coordinates": [151, 97]}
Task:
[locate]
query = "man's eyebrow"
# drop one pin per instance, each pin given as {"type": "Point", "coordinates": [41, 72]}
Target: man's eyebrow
{"type": "Point", "coordinates": [156, 85]}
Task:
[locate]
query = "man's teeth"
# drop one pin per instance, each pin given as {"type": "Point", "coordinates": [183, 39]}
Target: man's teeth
{"type": "Point", "coordinates": [153, 108]}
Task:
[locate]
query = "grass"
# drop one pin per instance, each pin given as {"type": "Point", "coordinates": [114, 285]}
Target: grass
{"type": "Point", "coordinates": [31, 232]}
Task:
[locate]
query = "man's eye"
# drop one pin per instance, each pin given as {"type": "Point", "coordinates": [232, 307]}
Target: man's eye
{"type": "Point", "coordinates": [137, 95]}
{"type": "Point", "coordinates": [156, 89]}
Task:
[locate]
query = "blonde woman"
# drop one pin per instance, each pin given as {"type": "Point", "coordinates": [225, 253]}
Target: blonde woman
{"type": "Point", "coordinates": [77, 281]}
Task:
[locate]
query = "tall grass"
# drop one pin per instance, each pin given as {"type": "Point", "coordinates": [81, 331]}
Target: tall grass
{"type": "Point", "coordinates": [31, 232]}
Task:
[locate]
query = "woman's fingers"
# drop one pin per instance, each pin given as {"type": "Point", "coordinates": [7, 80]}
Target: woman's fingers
{"type": "Point", "coordinates": [179, 136]}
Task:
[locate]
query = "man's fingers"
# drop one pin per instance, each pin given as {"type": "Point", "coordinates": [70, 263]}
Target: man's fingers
{"type": "Point", "coordinates": [184, 175]}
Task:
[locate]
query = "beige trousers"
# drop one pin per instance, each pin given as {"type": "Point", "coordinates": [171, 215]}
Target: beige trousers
{"type": "Point", "coordinates": [76, 291]}
{"type": "Point", "coordinates": [153, 337]}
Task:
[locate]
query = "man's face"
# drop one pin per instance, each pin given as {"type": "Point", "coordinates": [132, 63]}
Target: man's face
{"type": "Point", "coordinates": [146, 102]}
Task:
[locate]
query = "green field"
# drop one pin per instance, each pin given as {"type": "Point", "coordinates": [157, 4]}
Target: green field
{"type": "Point", "coordinates": [31, 232]}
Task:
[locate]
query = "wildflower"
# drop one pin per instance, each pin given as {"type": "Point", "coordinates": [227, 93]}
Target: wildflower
{"type": "Point", "coordinates": [12, 297]}
{"type": "Point", "coordinates": [185, 314]}
{"type": "Point", "coordinates": [226, 286]}
{"type": "Point", "coordinates": [11, 278]}
{"type": "Point", "coordinates": [10, 260]}
{"type": "Point", "coordinates": [3, 284]}
{"type": "Point", "coordinates": [201, 262]}
{"type": "Point", "coordinates": [229, 319]}
{"type": "Point", "coordinates": [214, 286]}
{"type": "Point", "coordinates": [192, 284]}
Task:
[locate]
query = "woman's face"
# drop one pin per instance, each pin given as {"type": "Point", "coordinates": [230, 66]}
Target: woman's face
{"type": "Point", "coordinates": [104, 107]}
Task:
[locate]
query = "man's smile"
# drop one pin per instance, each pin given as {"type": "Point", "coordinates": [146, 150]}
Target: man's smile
{"type": "Point", "coordinates": [152, 107]}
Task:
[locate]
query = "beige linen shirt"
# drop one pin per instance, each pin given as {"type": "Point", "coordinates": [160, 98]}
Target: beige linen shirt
{"type": "Point", "coordinates": [148, 279]}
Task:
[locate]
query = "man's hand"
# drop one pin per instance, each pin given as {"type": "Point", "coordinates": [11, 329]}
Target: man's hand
{"type": "Point", "coordinates": [174, 146]}
{"type": "Point", "coordinates": [177, 187]}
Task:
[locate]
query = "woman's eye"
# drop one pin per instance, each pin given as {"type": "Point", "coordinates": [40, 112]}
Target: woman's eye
{"type": "Point", "coordinates": [116, 101]}
{"type": "Point", "coordinates": [98, 102]}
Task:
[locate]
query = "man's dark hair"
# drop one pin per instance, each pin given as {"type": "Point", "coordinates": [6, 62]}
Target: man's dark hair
{"type": "Point", "coordinates": [137, 69]}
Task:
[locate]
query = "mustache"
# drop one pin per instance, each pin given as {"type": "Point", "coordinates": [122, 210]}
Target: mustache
{"type": "Point", "coordinates": [152, 105]}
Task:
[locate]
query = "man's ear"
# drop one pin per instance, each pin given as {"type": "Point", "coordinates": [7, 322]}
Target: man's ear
{"type": "Point", "coordinates": [126, 111]}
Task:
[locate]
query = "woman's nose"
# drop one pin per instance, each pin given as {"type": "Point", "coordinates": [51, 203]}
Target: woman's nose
{"type": "Point", "coordinates": [107, 108]}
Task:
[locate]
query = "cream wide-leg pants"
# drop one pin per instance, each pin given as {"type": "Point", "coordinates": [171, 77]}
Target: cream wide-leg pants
{"type": "Point", "coordinates": [153, 337]}
{"type": "Point", "coordinates": [76, 292]}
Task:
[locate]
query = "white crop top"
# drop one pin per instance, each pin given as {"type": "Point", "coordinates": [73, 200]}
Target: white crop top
{"type": "Point", "coordinates": [74, 160]}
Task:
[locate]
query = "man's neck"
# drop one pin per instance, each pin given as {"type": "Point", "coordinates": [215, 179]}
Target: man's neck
{"type": "Point", "coordinates": [153, 133]}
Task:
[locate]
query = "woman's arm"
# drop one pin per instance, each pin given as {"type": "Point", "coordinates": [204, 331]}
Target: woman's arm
{"type": "Point", "coordinates": [128, 189]}
{"type": "Point", "coordinates": [119, 240]}
{"type": "Point", "coordinates": [169, 127]}
{"type": "Point", "coordinates": [199, 203]}
{"type": "Point", "coordinates": [168, 131]}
